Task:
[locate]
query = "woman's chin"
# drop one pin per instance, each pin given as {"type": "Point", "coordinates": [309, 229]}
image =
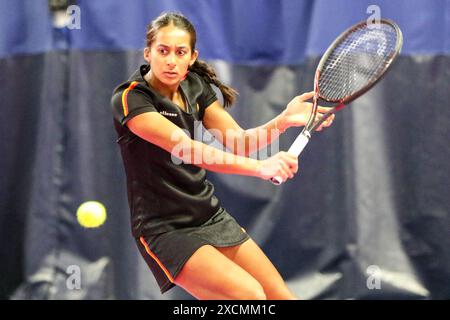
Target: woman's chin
{"type": "Point", "coordinates": [170, 81]}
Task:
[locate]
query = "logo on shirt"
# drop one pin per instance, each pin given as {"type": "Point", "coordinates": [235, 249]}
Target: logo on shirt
{"type": "Point", "coordinates": [168, 114]}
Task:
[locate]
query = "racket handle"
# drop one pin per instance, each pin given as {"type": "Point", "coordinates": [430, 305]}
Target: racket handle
{"type": "Point", "coordinates": [300, 143]}
{"type": "Point", "coordinates": [296, 148]}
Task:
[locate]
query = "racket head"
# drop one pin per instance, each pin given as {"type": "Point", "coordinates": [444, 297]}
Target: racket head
{"type": "Point", "coordinates": [357, 60]}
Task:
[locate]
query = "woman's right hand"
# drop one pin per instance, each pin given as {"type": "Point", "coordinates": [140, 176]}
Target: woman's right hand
{"type": "Point", "coordinates": [282, 164]}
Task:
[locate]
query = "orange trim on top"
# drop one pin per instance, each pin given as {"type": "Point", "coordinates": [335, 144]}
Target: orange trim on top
{"type": "Point", "coordinates": [157, 260]}
{"type": "Point", "coordinates": [124, 97]}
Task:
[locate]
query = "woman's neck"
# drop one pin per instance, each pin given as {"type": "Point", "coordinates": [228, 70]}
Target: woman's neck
{"type": "Point", "coordinates": [166, 91]}
{"type": "Point", "coordinates": [171, 93]}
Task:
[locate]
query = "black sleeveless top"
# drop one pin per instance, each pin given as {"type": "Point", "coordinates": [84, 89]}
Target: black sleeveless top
{"type": "Point", "coordinates": [163, 194]}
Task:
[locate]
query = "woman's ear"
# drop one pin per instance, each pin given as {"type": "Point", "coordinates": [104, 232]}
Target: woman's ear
{"type": "Point", "coordinates": [193, 57]}
{"type": "Point", "coordinates": [147, 54]}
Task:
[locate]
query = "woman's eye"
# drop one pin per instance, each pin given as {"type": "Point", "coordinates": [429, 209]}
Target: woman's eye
{"type": "Point", "coordinates": [163, 51]}
{"type": "Point", "coordinates": [181, 52]}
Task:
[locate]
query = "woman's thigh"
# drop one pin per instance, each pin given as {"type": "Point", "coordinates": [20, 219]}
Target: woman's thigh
{"type": "Point", "coordinates": [252, 259]}
{"type": "Point", "coordinates": [209, 274]}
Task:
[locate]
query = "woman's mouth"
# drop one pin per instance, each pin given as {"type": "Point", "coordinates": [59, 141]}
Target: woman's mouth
{"type": "Point", "coordinates": [170, 74]}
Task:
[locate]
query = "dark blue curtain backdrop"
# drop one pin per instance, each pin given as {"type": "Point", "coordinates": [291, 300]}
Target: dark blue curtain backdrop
{"type": "Point", "coordinates": [367, 217]}
{"type": "Point", "coordinates": [245, 32]}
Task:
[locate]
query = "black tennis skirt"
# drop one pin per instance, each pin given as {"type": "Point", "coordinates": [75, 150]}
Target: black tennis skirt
{"type": "Point", "coordinates": [166, 253]}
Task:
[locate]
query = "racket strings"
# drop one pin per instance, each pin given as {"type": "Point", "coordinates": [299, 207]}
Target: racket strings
{"type": "Point", "coordinates": [347, 54]}
{"type": "Point", "coordinates": [356, 76]}
{"type": "Point", "coordinates": [357, 70]}
{"type": "Point", "coordinates": [357, 60]}
{"type": "Point", "coordinates": [336, 88]}
{"type": "Point", "coordinates": [365, 70]}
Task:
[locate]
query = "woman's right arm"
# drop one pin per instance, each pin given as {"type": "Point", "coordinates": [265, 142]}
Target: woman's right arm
{"type": "Point", "coordinates": [156, 129]}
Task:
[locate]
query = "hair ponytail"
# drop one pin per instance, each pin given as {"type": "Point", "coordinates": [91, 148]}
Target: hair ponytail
{"type": "Point", "coordinates": [208, 73]}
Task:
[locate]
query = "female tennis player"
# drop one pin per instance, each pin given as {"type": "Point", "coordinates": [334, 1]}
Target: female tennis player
{"type": "Point", "coordinates": [184, 234]}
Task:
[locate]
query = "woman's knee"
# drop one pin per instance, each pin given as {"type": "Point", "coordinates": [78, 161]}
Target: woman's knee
{"type": "Point", "coordinates": [251, 292]}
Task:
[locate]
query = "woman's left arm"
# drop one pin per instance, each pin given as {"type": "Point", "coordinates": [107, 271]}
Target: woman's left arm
{"type": "Point", "coordinates": [245, 142]}
{"type": "Point", "coordinates": [236, 139]}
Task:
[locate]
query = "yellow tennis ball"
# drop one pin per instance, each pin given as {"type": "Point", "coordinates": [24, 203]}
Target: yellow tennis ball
{"type": "Point", "coordinates": [91, 214]}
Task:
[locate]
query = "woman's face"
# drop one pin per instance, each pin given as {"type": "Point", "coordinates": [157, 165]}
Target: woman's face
{"type": "Point", "coordinates": [170, 55]}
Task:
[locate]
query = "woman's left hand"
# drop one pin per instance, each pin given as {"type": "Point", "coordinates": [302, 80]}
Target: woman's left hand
{"type": "Point", "coordinates": [298, 112]}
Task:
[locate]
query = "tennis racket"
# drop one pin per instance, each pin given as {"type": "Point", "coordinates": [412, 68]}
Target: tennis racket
{"type": "Point", "coordinates": [353, 64]}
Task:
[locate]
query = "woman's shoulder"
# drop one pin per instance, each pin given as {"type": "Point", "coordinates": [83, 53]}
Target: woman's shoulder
{"type": "Point", "coordinates": [130, 85]}
{"type": "Point", "coordinates": [196, 82]}
{"type": "Point", "coordinates": [193, 77]}
{"type": "Point", "coordinates": [136, 80]}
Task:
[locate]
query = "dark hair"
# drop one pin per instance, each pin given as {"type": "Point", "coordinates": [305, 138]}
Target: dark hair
{"type": "Point", "coordinates": [200, 67]}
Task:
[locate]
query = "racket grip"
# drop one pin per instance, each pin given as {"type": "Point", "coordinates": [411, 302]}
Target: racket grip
{"type": "Point", "coordinates": [296, 148]}
{"type": "Point", "coordinates": [300, 143]}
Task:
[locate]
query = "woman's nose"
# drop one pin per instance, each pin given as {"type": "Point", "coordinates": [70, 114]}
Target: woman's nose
{"type": "Point", "coordinates": [170, 59]}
